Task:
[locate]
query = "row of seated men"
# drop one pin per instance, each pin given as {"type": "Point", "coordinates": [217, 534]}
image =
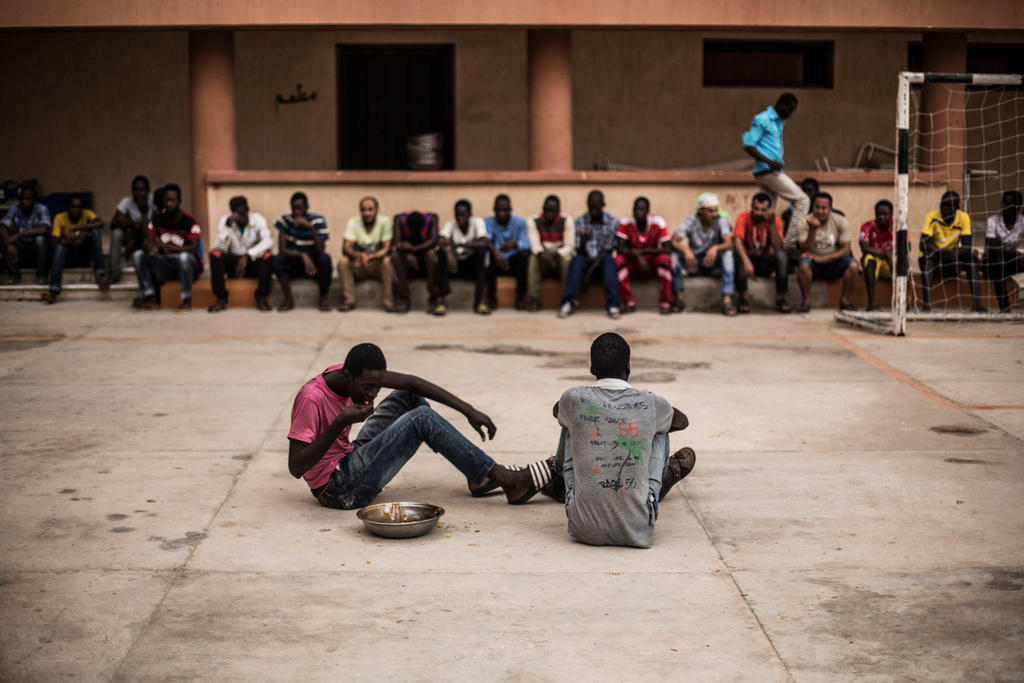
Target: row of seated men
{"type": "Point", "coordinates": [164, 243]}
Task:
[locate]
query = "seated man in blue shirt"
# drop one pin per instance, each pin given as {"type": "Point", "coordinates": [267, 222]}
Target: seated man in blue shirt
{"type": "Point", "coordinates": [510, 252]}
{"type": "Point", "coordinates": [764, 143]}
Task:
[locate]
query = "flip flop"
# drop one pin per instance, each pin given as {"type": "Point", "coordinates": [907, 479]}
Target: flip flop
{"type": "Point", "coordinates": [782, 306]}
{"type": "Point", "coordinates": [490, 487]}
{"type": "Point", "coordinates": [540, 473]}
{"type": "Point", "coordinates": [803, 308]}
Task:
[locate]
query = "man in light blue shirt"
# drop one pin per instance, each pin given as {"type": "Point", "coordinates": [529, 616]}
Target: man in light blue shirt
{"type": "Point", "coordinates": [763, 142]}
{"type": "Point", "coordinates": [510, 250]}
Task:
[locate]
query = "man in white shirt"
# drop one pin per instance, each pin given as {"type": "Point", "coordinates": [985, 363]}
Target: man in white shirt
{"type": "Point", "coordinates": [1003, 233]}
{"type": "Point", "coordinates": [128, 226]}
{"type": "Point", "coordinates": [464, 254]}
{"type": "Point", "coordinates": [242, 249]}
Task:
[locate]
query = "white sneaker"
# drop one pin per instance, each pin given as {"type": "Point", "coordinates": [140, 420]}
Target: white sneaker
{"type": "Point", "coordinates": [566, 310]}
{"type": "Point", "coordinates": [614, 313]}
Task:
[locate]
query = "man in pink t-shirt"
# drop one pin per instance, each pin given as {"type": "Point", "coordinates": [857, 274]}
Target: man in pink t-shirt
{"type": "Point", "coordinates": [347, 475]}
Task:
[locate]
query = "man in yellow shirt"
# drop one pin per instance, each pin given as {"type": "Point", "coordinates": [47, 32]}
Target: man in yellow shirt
{"type": "Point", "coordinates": [946, 249]}
{"type": "Point", "coordinates": [76, 242]}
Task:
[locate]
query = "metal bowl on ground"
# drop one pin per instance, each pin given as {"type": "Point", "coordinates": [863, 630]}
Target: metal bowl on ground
{"type": "Point", "coordinates": [400, 520]}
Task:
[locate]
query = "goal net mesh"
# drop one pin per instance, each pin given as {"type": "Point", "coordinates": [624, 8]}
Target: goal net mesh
{"type": "Point", "coordinates": [963, 134]}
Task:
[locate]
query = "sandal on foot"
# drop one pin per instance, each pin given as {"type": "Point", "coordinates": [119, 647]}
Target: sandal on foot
{"type": "Point", "coordinates": [556, 487]}
{"type": "Point", "coordinates": [803, 308]}
{"type": "Point", "coordinates": [846, 306]}
{"type": "Point", "coordinates": [489, 486]}
{"type": "Point", "coordinates": [728, 309]}
{"type": "Point", "coordinates": [540, 474]}
{"type": "Point", "coordinates": [679, 466]}
{"type": "Point", "coordinates": [743, 306]}
{"type": "Point", "coordinates": [782, 306]}
{"type": "Point", "coordinates": [346, 307]}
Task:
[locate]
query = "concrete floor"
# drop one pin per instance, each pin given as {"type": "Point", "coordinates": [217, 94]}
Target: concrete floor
{"type": "Point", "coordinates": [855, 513]}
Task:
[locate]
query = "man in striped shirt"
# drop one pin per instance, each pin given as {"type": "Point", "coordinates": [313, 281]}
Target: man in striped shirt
{"type": "Point", "coordinates": [301, 238]}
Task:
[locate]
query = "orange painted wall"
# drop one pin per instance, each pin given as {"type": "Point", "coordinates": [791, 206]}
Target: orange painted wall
{"type": "Point", "coordinates": [490, 96]}
{"type": "Point", "coordinates": [881, 14]}
{"type": "Point", "coordinates": [94, 109]}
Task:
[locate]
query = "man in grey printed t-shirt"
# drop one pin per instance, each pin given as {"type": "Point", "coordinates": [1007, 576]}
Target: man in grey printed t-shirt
{"type": "Point", "coordinates": [613, 452]}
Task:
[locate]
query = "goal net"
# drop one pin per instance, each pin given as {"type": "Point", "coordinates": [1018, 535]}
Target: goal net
{"type": "Point", "coordinates": [960, 161]}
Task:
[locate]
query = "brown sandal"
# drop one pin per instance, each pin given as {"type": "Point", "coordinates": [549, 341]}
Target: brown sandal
{"type": "Point", "coordinates": [679, 466]}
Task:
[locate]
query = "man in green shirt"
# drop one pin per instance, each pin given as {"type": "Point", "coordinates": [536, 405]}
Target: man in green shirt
{"type": "Point", "coordinates": [366, 253]}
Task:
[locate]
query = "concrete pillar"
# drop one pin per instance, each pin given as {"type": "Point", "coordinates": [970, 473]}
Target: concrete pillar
{"type": "Point", "coordinates": [550, 93]}
{"type": "Point", "coordinates": [211, 67]}
{"type": "Point", "coordinates": [942, 109]}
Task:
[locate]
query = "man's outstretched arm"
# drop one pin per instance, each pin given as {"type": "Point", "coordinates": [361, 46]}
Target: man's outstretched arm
{"type": "Point", "coordinates": [429, 390]}
{"type": "Point", "coordinates": [302, 456]}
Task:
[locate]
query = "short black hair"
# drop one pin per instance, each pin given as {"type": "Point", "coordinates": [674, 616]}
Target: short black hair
{"type": "Point", "coordinates": [501, 197]}
{"type": "Point", "coordinates": [465, 203]}
{"type": "Point", "coordinates": [950, 196]}
{"type": "Point", "coordinates": [788, 99]}
{"type": "Point", "coordinates": [172, 187]}
{"type": "Point", "coordinates": [761, 197]}
{"type": "Point", "coordinates": [415, 220]}
{"type": "Point", "coordinates": [141, 179]}
{"type": "Point", "coordinates": [365, 356]}
{"type": "Point", "coordinates": [609, 356]}
{"type": "Point", "coordinates": [645, 200]}
{"type": "Point", "coordinates": [595, 196]}
{"type": "Point", "coordinates": [75, 196]}
{"type": "Point", "coordinates": [883, 202]}
{"type": "Point", "coordinates": [299, 195]}
{"type": "Point", "coordinates": [1014, 195]}
{"type": "Point", "coordinates": [812, 180]}
{"type": "Point", "coordinates": [235, 202]}
{"type": "Point", "coordinates": [822, 195]}
{"type": "Point", "coordinates": [552, 198]}
{"type": "Point", "coordinates": [31, 187]}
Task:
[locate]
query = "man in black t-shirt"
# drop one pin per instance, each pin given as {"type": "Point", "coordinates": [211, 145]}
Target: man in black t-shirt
{"type": "Point", "coordinates": [170, 249]}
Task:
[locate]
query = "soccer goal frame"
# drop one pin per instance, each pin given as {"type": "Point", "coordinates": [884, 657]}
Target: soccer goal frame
{"type": "Point", "coordinates": [894, 322]}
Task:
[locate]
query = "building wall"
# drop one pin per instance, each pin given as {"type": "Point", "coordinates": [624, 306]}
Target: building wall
{"type": "Point", "coordinates": [490, 96]}
{"type": "Point", "coordinates": [638, 99]}
{"type": "Point", "coordinates": [86, 111]}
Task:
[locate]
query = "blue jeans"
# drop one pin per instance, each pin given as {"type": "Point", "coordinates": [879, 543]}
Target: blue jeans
{"type": "Point", "coordinates": [90, 249]}
{"type": "Point", "coordinates": [400, 423]}
{"type": "Point", "coordinates": [31, 250]}
{"type": "Point", "coordinates": [723, 262]}
{"type": "Point", "coordinates": [609, 277]}
{"type": "Point", "coordinates": [159, 268]}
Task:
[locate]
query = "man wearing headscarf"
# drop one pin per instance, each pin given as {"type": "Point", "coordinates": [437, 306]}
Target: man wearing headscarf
{"type": "Point", "coordinates": [704, 246]}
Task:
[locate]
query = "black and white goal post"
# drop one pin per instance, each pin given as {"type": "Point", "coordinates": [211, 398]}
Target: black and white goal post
{"type": "Point", "coordinates": [986, 114]}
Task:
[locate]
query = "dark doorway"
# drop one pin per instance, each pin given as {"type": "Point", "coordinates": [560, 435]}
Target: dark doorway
{"type": "Point", "coordinates": [387, 93]}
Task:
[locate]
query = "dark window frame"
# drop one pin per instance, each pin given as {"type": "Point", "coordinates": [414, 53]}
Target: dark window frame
{"type": "Point", "coordinates": [445, 50]}
{"type": "Point", "coordinates": [727, 63]}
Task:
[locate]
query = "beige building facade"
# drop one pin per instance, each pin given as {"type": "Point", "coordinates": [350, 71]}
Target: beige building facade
{"type": "Point", "coordinates": [192, 93]}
